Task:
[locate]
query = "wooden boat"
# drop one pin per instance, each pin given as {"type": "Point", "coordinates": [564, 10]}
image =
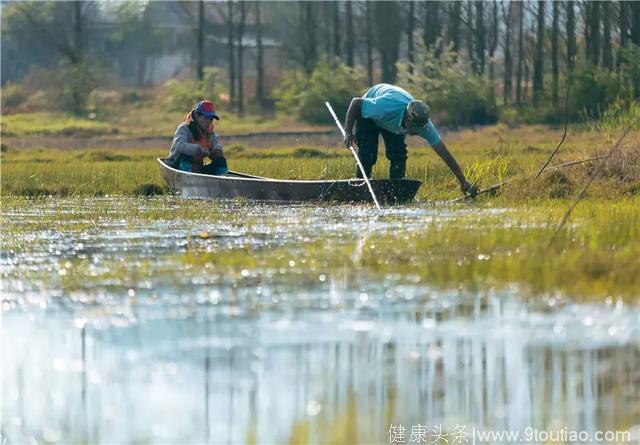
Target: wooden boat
{"type": "Point", "coordinates": [240, 185]}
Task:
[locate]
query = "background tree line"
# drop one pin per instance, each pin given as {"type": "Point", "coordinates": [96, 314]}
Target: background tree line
{"type": "Point", "coordinates": [509, 55]}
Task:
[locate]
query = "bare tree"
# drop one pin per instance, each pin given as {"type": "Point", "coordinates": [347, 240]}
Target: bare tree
{"type": "Point", "coordinates": [431, 23]}
{"type": "Point", "coordinates": [369, 39]}
{"type": "Point", "coordinates": [241, 23]}
{"type": "Point", "coordinates": [470, 36]}
{"type": "Point", "coordinates": [62, 28]}
{"type": "Point", "coordinates": [200, 42]}
{"type": "Point", "coordinates": [493, 38]}
{"type": "Point", "coordinates": [634, 19]}
{"type": "Point", "coordinates": [337, 44]}
{"type": "Point", "coordinates": [308, 31]}
{"type": "Point", "coordinates": [260, 94]}
{"type": "Point", "coordinates": [607, 51]}
{"type": "Point", "coordinates": [480, 36]}
{"type": "Point", "coordinates": [411, 23]}
{"type": "Point", "coordinates": [592, 31]}
{"type": "Point", "coordinates": [508, 61]}
{"type": "Point", "coordinates": [231, 54]}
{"type": "Point", "coordinates": [538, 63]}
{"type": "Point", "coordinates": [519, 71]}
{"type": "Point", "coordinates": [455, 12]}
{"type": "Point", "coordinates": [571, 34]}
{"type": "Point", "coordinates": [388, 23]}
{"type": "Point", "coordinates": [350, 43]}
{"type": "Point", "coordinates": [555, 32]}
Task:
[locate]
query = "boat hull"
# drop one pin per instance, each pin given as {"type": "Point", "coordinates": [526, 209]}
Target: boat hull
{"type": "Point", "coordinates": [240, 185]}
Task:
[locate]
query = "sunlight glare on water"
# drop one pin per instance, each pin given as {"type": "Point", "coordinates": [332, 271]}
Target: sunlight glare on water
{"type": "Point", "coordinates": [177, 347]}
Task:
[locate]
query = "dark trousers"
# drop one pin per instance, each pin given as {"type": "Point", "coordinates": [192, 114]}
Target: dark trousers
{"type": "Point", "coordinates": [214, 167]}
{"type": "Point", "coordinates": [367, 133]}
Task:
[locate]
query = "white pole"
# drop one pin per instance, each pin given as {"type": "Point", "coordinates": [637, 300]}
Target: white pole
{"type": "Point", "coordinates": [364, 174]}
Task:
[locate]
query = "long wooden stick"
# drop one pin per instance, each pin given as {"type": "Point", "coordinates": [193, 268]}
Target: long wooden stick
{"type": "Point", "coordinates": [503, 183]}
{"type": "Point", "coordinates": [364, 174]}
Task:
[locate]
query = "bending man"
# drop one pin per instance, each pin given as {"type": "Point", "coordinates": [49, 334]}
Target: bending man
{"type": "Point", "coordinates": [392, 112]}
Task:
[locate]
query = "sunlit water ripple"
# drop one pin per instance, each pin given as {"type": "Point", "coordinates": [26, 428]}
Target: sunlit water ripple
{"type": "Point", "coordinates": [277, 355]}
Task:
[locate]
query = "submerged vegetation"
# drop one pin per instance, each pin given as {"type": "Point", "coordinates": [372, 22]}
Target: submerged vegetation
{"type": "Point", "coordinates": [594, 257]}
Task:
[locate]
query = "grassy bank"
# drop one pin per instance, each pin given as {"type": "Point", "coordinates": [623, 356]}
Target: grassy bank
{"type": "Point", "coordinates": [488, 155]}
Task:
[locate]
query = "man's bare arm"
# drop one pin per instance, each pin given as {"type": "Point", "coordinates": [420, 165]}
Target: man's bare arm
{"type": "Point", "coordinates": [354, 112]}
{"type": "Point", "coordinates": [451, 162]}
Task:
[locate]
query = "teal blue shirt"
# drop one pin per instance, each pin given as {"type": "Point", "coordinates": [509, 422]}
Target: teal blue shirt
{"type": "Point", "coordinates": [385, 104]}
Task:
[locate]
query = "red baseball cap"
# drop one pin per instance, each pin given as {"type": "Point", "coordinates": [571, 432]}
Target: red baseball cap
{"type": "Point", "coordinates": [206, 108]}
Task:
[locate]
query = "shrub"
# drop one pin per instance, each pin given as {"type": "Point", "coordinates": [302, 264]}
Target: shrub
{"type": "Point", "coordinates": [593, 89]}
{"type": "Point", "coordinates": [13, 95]}
{"type": "Point", "coordinates": [304, 96]}
{"type": "Point", "coordinates": [444, 83]}
{"type": "Point", "coordinates": [182, 95]}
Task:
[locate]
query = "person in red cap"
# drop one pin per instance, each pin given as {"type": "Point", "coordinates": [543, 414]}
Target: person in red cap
{"type": "Point", "coordinates": [195, 139]}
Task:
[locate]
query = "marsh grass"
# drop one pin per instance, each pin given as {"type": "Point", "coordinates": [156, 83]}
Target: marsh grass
{"type": "Point", "coordinates": [488, 155]}
{"type": "Point", "coordinates": [53, 124]}
{"type": "Point", "coordinates": [593, 258]}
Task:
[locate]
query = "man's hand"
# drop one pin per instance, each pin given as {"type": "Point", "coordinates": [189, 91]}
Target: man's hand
{"type": "Point", "coordinates": [215, 153]}
{"type": "Point", "coordinates": [349, 141]}
{"type": "Point", "coordinates": [469, 189]}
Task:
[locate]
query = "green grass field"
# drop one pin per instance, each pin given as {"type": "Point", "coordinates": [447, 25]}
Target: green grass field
{"type": "Point", "coordinates": [488, 155]}
{"type": "Point", "coordinates": [594, 256]}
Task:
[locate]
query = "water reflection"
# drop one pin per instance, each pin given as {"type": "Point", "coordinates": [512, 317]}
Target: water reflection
{"type": "Point", "coordinates": [179, 357]}
{"type": "Point", "coordinates": [216, 376]}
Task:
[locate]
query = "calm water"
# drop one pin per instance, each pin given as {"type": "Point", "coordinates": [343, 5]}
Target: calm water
{"type": "Point", "coordinates": [183, 354]}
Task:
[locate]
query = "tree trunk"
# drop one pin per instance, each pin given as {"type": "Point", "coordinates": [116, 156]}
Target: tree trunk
{"type": "Point", "coordinates": [200, 42]}
{"type": "Point", "coordinates": [326, 28]}
{"type": "Point", "coordinates": [493, 41]}
{"type": "Point", "coordinates": [241, 22]}
{"type": "Point", "coordinates": [350, 34]}
{"type": "Point", "coordinates": [259, 57]}
{"type": "Point", "coordinates": [634, 20]}
{"type": "Point", "coordinates": [624, 32]}
{"type": "Point", "coordinates": [308, 30]}
{"type": "Point", "coordinates": [77, 33]}
{"type": "Point", "coordinates": [411, 19]}
{"type": "Point", "coordinates": [555, 31]}
{"type": "Point", "coordinates": [77, 57]}
{"type": "Point", "coordinates": [508, 62]}
{"type": "Point", "coordinates": [571, 34]}
{"type": "Point", "coordinates": [470, 37]}
{"type": "Point", "coordinates": [538, 65]}
{"type": "Point", "coordinates": [431, 23]}
{"type": "Point", "coordinates": [454, 25]}
{"type": "Point", "coordinates": [525, 87]}
{"type": "Point", "coordinates": [232, 55]}
{"type": "Point", "coordinates": [607, 53]}
{"type": "Point", "coordinates": [480, 36]}
{"type": "Point", "coordinates": [337, 44]}
{"type": "Point", "coordinates": [520, 53]}
{"type": "Point", "coordinates": [388, 23]}
{"type": "Point", "coordinates": [369, 35]}
{"type": "Point", "coordinates": [592, 31]}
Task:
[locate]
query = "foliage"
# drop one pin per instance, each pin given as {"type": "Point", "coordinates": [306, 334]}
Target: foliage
{"type": "Point", "coordinates": [305, 96]}
{"type": "Point", "coordinates": [13, 95]}
{"type": "Point", "coordinates": [620, 114]}
{"type": "Point", "coordinates": [594, 88]}
{"type": "Point", "coordinates": [444, 83]}
{"type": "Point", "coordinates": [183, 95]}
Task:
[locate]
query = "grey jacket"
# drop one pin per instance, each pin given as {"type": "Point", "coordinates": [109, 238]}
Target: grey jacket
{"type": "Point", "coordinates": [183, 144]}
